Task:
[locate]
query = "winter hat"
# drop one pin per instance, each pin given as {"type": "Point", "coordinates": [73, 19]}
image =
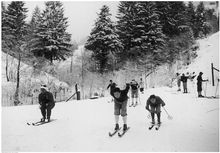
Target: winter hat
{"type": "Point", "coordinates": [200, 73]}
{"type": "Point", "coordinates": [117, 89]}
{"type": "Point", "coordinates": [152, 96]}
{"type": "Point", "coordinates": [44, 87]}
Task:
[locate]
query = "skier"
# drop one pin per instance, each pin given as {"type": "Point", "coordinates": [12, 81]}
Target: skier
{"type": "Point", "coordinates": [178, 81]}
{"type": "Point", "coordinates": [134, 92]}
{"type": "Point", "coordinates": [155, 103]}
{"type": "Point", "coordinates": [120, 107]}
{"type": "Point", "coordinates": [141, 84]}
{"type": "Point", "coordinates": [46, 102]}
{"type": "Point", "coordinates": [199, 84]}
{"type": "Point", "coordinates": [184, 80]}
{"type": "Point", "coordinates": [112, 85]}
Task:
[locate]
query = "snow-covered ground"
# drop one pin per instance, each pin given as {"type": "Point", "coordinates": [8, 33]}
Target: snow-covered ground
{"type": "Point", "coordinates": [84, 126]}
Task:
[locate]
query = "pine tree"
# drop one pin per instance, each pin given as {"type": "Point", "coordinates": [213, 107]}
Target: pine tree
{"type": "Point", "coordinates": [172, 17]}
{"type": "Point", "coordinates": [126, 15]}
{"type": "Point", "coordinates": [200, 20]}
{"type": "Point", "coordinates": [17, 13]}
{"type": "Point", "coordinates": [7, 36]}
{"type": "Point", "coordinates": [144, 38]}
{"type": "Point", "coordinates": [103, 39]}
{"type": "Point", "coordinates": [51, 39]}
{"type": "Point", "coordinates": [191, 16]}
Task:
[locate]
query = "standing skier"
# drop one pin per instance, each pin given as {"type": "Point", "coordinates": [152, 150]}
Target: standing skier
{"type": "Point", "coordinates": [141, 84]}
{"type": "Point", "coordinates": [46, 102]}
{"type": "Point", "coordinates": [155, 103]}
{"type": "Point", "coordinates": [178, 77]}
{"type": "Point", "coordinates": [184, 80]}
{"type": "Point", "coordinates": [120, 107]}
{"type": "Point", "coordinates": [199, 84]}
{"type": "Point", "coordinates": [134, 92]}
{"type": "Point", "coordinates": [112, 85]}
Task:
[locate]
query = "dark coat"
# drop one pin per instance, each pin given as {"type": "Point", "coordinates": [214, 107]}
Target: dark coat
{"type": "Point", "coordinates": [184, 78]}
{"type": "Point", "coordinates": [159, 101]}
{"type": "Point", "coordinates": [46, 99]}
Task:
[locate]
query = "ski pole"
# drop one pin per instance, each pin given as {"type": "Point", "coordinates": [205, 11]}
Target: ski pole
{"type": "Point", "coordinates": [169, 117]}
{"type": "Point", "coordinates": [205, 89]}
{"type": "Point", "coordinates": [139, 97]}
{"type": "Point", "coordinates": [216, 88]}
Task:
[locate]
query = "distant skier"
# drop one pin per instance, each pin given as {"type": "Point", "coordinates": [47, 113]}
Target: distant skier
{"type": "Point", "coordinates": [134, 92]}
{"type": "Point", "coordinates": [46, 102]}
{"type": "Point", "coordinates": [199, 84]}
{"type": "Point", "coordinates": [192, 76]}
{"type": "Point", "coordinates": [155, 103]}
{"type": "Point", "coordinates": [120, 107]}
{"type": "Point", "coordinates": [112, 85]}
{"type": "Point", "coordinates": [184, 80]}
{"type": "Point", "coordinates": [141, 84]}
{"type": "Point", "coordinates": [178, 77]}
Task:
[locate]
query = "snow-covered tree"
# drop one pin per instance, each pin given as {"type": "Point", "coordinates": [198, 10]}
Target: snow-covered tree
{"type": "Point", "coordinates": [126, 14]}
{"type": "Point", "coordinates": [140, 29]}
{"type": "Point", "coordinates": [172, 17]}
{"type": "Point", "coordinates": [17, 13]}
{"type": "Point", "coordinates": [200, 20]}
{"type": "Point", "coordinates": [51, 39]}
{"type": "Point", "coordinates": [103, 39]}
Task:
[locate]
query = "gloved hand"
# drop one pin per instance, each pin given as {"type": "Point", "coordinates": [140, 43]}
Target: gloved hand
{"type": "Point", "coordinates": [163, 104]}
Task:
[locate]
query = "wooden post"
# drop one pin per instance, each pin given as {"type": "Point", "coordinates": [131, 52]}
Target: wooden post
{"type": "Point", "coordinates": [77, 93]}
{"type": "Point", "coordinates": [213, 83]}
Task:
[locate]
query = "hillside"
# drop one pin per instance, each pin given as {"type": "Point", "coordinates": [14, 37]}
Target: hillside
{"type": "Point", "coordinates": [84, 125]}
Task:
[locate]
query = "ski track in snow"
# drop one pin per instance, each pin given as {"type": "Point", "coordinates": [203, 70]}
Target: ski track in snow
{"type": "Point", "coordinates": [84, 125]}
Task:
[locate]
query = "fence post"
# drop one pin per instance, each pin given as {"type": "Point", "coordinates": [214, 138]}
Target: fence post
{"type": "Point", "coordinates": [77, 93]}
{"type": "Point", "coordinates": [213, 83]}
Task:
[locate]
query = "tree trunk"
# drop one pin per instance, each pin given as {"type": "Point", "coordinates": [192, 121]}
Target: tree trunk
{"type": "Point", "coordinates": [16, 96]}
{"type": "Point", "coordinates": [6, 68]}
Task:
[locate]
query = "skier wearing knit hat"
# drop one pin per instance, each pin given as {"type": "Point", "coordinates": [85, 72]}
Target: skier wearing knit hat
{"type": "Point", "coordinates": [46, 102]}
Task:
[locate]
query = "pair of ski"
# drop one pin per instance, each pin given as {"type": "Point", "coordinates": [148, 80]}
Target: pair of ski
{"type": "Point", "coordinates": [40, 123]}
{"type": "Point", "coordinates": [157, 126]}
{"type": "Point", "coordinates": [117, 131]}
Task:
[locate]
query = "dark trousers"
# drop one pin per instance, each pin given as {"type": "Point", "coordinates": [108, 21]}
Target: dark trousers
{"type": "Point", "coordinates": [46, 111]}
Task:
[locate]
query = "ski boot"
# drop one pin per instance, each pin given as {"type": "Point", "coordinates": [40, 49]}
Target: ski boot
{"type": "Point", "coordinates": [125, 127]}
{"type": "Point", "coordinates": [43, 119]}
{"type": "Point", "coordinates": [116, 126]}
{"type": "Point", "coordinates": [153, 121]}
{"type": "Point", "coordinates": [48, 119]}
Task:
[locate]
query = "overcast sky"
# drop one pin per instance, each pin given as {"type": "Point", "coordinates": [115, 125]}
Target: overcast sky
{"type": "Point", "coordinates": [81, 14]}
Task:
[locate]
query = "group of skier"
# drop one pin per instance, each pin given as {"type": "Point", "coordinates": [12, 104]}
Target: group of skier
{"type": "Point", "coordinates": [191, 77]}
{"type": "Point", "coordinates": [120, 96]}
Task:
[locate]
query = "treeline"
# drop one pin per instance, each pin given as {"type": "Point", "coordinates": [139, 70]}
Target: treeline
{"type": "Point", "coordinates": [38, 42]}
{"type": "Point", "coordinates": [148, 33]}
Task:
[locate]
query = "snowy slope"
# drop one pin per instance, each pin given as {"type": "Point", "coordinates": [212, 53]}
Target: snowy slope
{"type": "Point", "coordinates": [84, 126]}
{"type": "Point", "coordinates": [208, 53]}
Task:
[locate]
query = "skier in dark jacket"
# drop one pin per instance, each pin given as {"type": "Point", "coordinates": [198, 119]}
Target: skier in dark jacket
{"type": "Point", "coordinates": [120, 107]}
{"type": "Point", "coordinates": [155, 103]}
{"type": "Point", "coordinates": [199, 84]}
{"type": "Point", "coordinates": [46, 102]}
{"type": "Point", "coordinates": [184, 80]}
